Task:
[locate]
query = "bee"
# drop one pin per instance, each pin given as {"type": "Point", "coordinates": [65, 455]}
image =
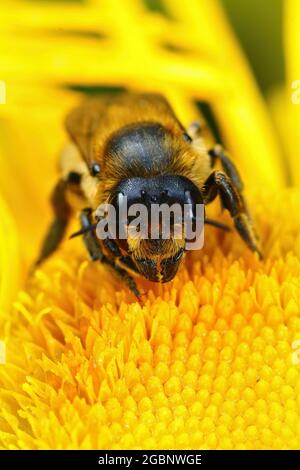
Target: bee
{"type": "Point", "coordinates": [133, 145]}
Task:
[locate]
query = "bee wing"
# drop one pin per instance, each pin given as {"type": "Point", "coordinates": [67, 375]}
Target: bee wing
{"type": "Point", "coordinates": [82, 124]}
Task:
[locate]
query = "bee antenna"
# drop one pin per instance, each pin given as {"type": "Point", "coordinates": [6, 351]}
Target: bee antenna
{"type": "Point", "coordinates": [84, 230]}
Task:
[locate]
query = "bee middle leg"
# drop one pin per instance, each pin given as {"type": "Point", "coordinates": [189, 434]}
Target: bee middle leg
{"type": "Point", "coordinates": [94, 249]}
{"type": "Point", "coordinates": [219, 183]}
{"type": "Point", "coordinates": [218, 153]}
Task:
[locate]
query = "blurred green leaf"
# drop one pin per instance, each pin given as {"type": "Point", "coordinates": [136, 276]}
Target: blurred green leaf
{"type": "Point", "coordinates": [259, 24]}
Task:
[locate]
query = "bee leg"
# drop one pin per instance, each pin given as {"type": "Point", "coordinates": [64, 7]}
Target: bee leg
{"type": "Point", "coordinates": [89, 238]}
{"type": "Point", "coordinates": [194, 129]}
{"type": "Point", "coordinates": [93, 247]}
{"type": "Point", "coordinates": [113, 248]}
{"type": "Point", "coordinates": [62, 212]}
{"type": "Point", "coordinates": [128, 279]}
{"type": "Point", "coordinates": [126, 260]}
{"type": "Point", "coordinates": [227, 164]}
{"type": "Point", "coordinates": [219, 183]}
{"type": "Point", "coordinates": [217, 224]}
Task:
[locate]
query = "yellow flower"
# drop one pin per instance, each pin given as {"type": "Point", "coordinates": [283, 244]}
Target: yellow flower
{"type": "Point", "coordinates": [207, 361]}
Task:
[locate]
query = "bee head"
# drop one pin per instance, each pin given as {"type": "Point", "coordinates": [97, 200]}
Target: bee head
{"type": "Point", "coordinates": [150, 211]}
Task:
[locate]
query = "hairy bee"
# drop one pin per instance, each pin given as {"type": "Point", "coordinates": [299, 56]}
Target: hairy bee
{"type": "Point", "coordinates": [133, 145]}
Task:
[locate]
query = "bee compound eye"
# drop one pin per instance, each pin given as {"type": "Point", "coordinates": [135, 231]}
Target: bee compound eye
{"type": "Point", "coordinates": [95, 169]}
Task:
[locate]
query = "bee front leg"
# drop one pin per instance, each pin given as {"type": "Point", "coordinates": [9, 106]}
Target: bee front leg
{"type": "Point", "coordinates": [128, 280]}
{"type": "Point", "coordinates": [219, 183]}
{"type": "Point", "coordinates": [93, 247]}
{"type": "Point", "coordinates": [89, 238]}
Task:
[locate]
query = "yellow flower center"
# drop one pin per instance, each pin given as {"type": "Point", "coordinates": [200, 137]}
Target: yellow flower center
{"type": "Point", "coordinates": [207, 361]}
